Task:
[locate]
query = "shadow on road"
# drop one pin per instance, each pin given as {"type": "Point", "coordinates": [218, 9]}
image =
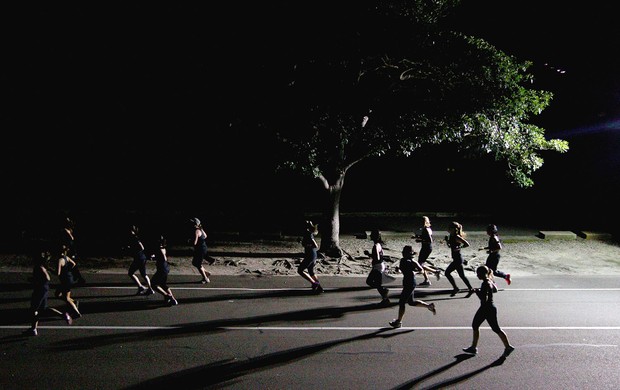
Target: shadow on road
{"type": "Point", "coordinates": [185, 330]}
{"type": "Point", "coordinates": [226, 371]}
{"type": "Point", "coordinates": [133, 302]}
{"type": "Point", "coordinates": [450, 382]}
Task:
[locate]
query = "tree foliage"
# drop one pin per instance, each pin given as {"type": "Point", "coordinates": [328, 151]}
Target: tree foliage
{"type": "Point", "coordinates": [390, 79]}
{"type": "Point", "coordinates": [418, 83]}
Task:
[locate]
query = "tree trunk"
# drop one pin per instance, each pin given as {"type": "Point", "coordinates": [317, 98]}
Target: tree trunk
{"type": "Point", "coordinates": [330, 231]}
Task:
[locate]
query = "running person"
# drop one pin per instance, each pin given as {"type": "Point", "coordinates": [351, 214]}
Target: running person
{"type": "Point", "coordinates": [136, 249]}
{"type": "Point", "coordinates": [67, 280]}
{"type": "Point", "coordinates": [67, 238]}
{"type": "Point", "coordinates": [306, 267]}
{"type": "Point", "coordinates": [493, 248]}
{"type": "Point", "coordinates": [426, 239]}
{"type": "Point", "coordinates": [200, 250]}
{"type": "Point", "coordinates": [487, 311]}
{"type": "Point", "coordinates": [40, 292]}
{"type": "Point", "coordinates": [456, 240]}
{"type": "Point", "coordinates": [160, 278]}
{"type": "Point", "coordinates": [375, 277]}
{"type": "Point", "coordinates": [408, 266]}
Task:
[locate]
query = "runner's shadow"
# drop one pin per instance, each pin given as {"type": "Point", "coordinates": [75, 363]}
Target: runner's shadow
{"type": "Point", "coordinates": [195, 282]}
{"type": "Point", "coordinates": [23, 316]}
{"type": "Point", "coordinates": [285, 293]}
{"type": "Point", "coordinates": [227, 372]}
{"type": "Point", "coordinates": [13, 287]}
{"type": "Point", "coordinates": [207, 327]}
{"type": "Point", "coordinates": [14, 338]}
{"type": "Point", "coordinates": [350, 289]}
{"type": "Point", "coordinates": [14, 300]}
{"type": "Point", "coordinates": [89, 297]}
{"type": "Point", "coordinates": [140, 303]}
{"type": "Point", "coordinates": [450, 382]}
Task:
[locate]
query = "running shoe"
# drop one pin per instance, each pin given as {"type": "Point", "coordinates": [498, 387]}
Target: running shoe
{"type": "Point", "coordinates": [425, 283]}
{"type": "Point", "coordinates": [508, 350]}
{"type": "Point", "coordinates": [68, 319]}
{"type": "Point", "coordinates": [396, 324]}
{"type": "Point", "coordinates": [471, 350]}
{"type": "Point", "coordinates": [508, 280]}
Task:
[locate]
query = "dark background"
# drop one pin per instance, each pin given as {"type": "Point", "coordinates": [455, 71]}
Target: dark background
{"type": "Point", "coordinates": [130, 112]}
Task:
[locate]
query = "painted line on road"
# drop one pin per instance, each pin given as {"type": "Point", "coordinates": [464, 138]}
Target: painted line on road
{"type": "Point", "coordinates": [419, 328]}
{"type": "Point", "coordinates": [336, 289]}
{"type": "Point", "coordinates": [172, 287]}
{"type": "Point", "coordinates": [309, 328]}
{"type": "Point", "coordinates": [562, 289]}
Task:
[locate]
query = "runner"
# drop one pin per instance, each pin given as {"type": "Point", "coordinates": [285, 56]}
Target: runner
{"type": "Point", "coordinates": [493, 248]}
{"type": "Point", "coordinates": [456, 240]}
{"type": "Point", "coordinates": [408, 266]}
{"type": "Point", "coordinates": [487, 311]}
{"type": "Point", "coordinates": [306, 267]}
{"type": "Point", "coordinates": [426, 239]}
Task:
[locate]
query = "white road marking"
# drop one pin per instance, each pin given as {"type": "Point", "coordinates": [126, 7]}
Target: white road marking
{"type": "Point", "coordinates": [311, 328]}
{"type": "Point", "coordinates": [336, 289]}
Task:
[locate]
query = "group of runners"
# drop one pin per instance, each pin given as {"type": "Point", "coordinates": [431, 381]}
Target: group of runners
{"type": "Point", "coordinates": [68, 272]}
{"type": "Point", "coordinates": [58, 257]}
{"type": "Point", "coordinates": [408, 266]}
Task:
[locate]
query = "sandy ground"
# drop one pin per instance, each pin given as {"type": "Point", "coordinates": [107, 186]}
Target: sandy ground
{"type": "Point", "coordinates": [522, 255]}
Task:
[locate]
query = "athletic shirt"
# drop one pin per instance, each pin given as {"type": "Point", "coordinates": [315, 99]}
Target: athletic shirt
{"type": "Point", "coordinates": [66, 276]}
{"type": "Point", "coordinates": [307, 242]}
{"type": "Point", "coordinates": [407, 268]}
{"type": "Point", "coordinates": [455, 245]}
{"type": "Point", "coordinates": [39, 280]}
{"type": "Point", "coordinates": [427, 235]}
{"type": "Point", "coordinates": [202, 240]}
{"type": "Point", "coordinates": [377, 256]}
{"type": "Point", "coordinates": [486, 292]}
{"type": "Point", "coordinates": [494, 243]}
{"type": "Point", "coordinates": [134, 244]}
{"type": "Point", "coordinates": [160, 262]}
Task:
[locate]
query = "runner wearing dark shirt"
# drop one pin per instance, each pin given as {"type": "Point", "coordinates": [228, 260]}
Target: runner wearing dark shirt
{"type": "Point", "coordinates": [408, 266]}
{"type": "Point", "coordinates": [160, 278]}
{"type": "Point", "coordinates": [306, 267]}
{"type": "Point", "coordinates": [136, 249]}
{"type": "Point", "coordinates": [487, 311]}
{"type": "Point", "coordinates": [456, 241]}
{"type": "Point", "coordinates": [493, 249]}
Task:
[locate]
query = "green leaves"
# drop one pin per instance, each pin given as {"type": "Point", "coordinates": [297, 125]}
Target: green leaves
{"type": "Point", "coordinates": [416, 83]}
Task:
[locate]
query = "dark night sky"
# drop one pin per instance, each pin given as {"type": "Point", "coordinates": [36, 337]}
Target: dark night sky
{"type": "Point", "coordinates": [134, 106]}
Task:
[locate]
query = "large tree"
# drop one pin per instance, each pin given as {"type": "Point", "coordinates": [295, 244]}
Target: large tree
{"type": "Point", "coordinates": [389, 79]}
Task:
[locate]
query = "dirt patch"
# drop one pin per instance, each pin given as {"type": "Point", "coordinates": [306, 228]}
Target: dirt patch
{"type": "Point", "coordinates": [522, 255]}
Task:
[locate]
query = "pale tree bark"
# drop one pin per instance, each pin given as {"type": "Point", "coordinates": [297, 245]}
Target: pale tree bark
{"type": "Point", "coordinates": [330, 229]}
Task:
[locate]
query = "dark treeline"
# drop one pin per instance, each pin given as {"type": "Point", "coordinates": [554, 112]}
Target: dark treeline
{"type": "Point", "coordinates": [152, 108]}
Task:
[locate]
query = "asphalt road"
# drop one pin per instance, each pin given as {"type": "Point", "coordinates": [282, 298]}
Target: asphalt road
{"type": "Point", "coordinates": [246, 332]}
